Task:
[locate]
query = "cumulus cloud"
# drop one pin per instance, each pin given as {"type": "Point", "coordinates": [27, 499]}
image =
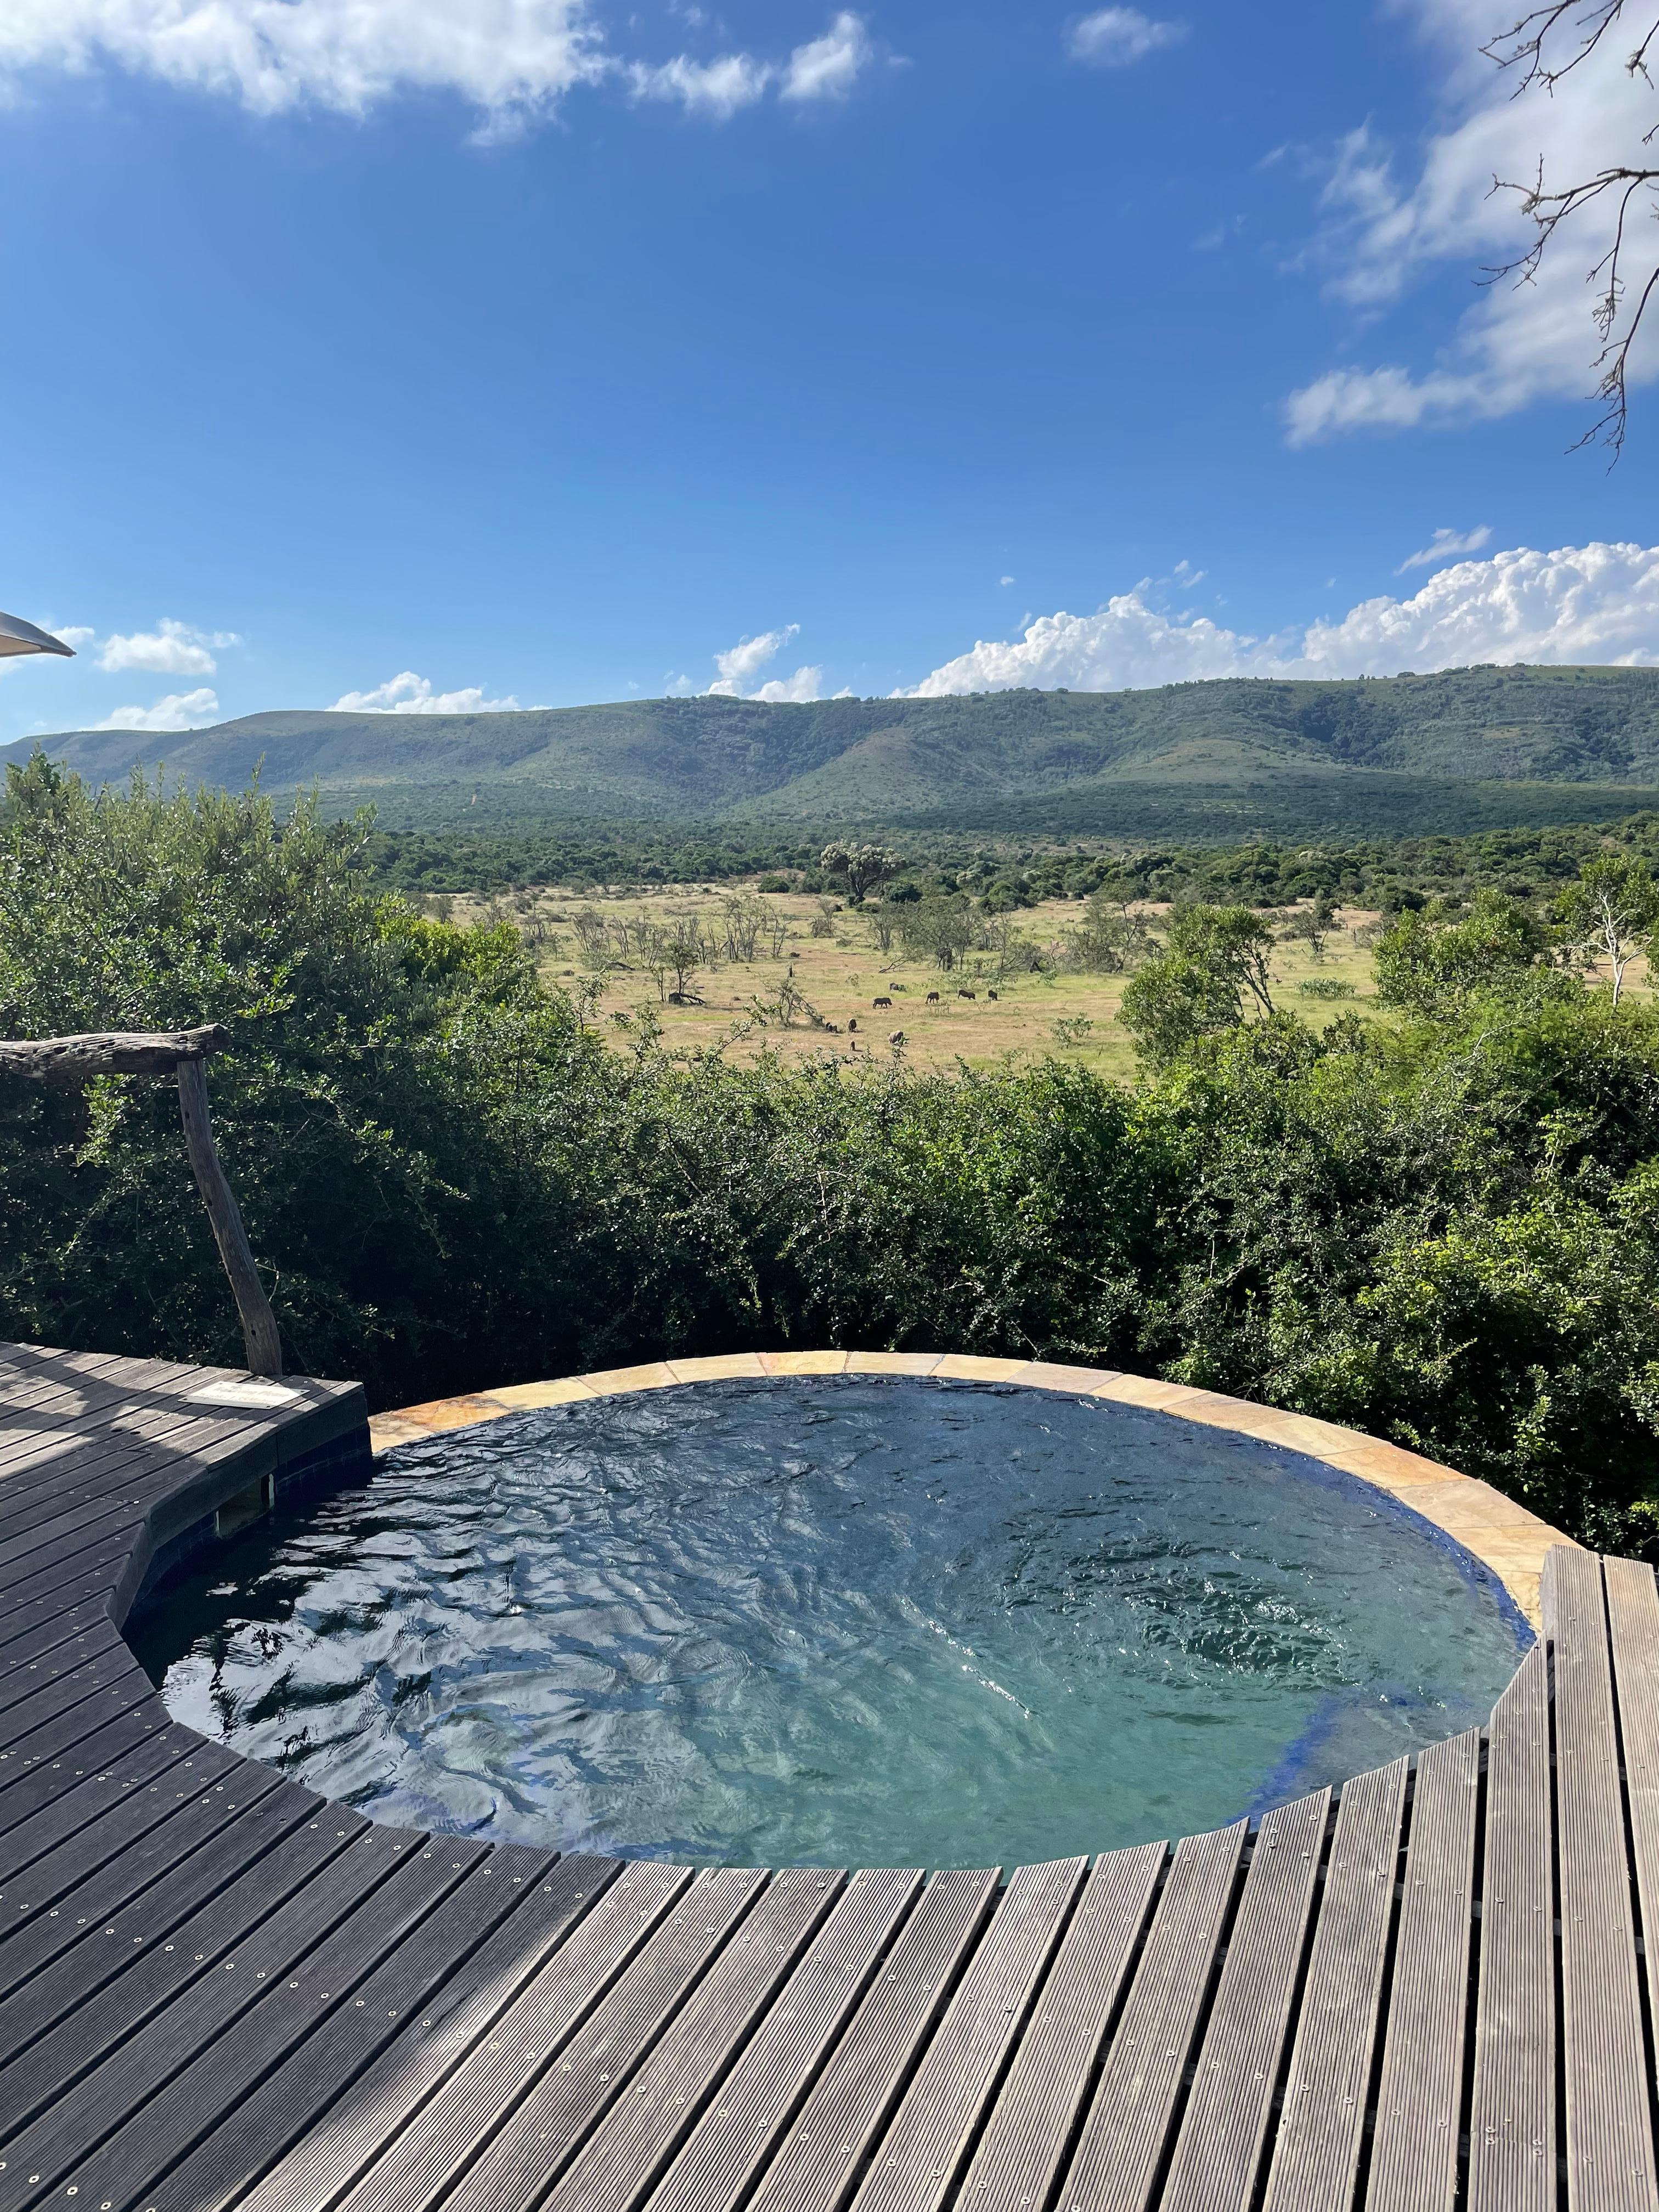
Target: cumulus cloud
{"type": "Point", "coordinates": [1444, 545]}
{"type": "Point", "coordinates": [828, 68]}
{"type": "Point", "coordinates": [409, 694]}
{"type": "Point", "coordinates": [740, 664]}
{"type": "Point", "coordinates": [179, 710]}
{"type": "Point", "coordinates": [1383, 231]}
{"type": "Point", "coordinates": [1589, 603]}
{"type": "Point", "coordinates": [513, 60]}
{"type": "Point", "coordinates": [171, 648]}
{"type": "Point", "coordinates": [1114, 37]}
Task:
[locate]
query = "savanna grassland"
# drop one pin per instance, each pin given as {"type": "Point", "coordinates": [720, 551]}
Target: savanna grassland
{"type": "Point", "coordinates": [834, 956]}
{"type": "Point", "coordinates": [734, 1004]}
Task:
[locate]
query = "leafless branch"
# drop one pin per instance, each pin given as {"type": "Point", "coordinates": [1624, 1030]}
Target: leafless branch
{"type": "Point", "coordinates": [1530, 47]}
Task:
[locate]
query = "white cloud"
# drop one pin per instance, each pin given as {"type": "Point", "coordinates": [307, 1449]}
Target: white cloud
{"type": "Point", "coordinates": [806, 684]}
{"type": "Point", "coordinates": [828, 68]}
{"type": "Point", "coordinates": [409, 694]}
{"type": "Point", "coordinates": [513, 60]}
{"type": "Point", "coordinates": [714, 90]}
{"type": "Point", "coordinates": [179, 710]}
{"type": "Point", "coordinates": [1380, 235]}
{"type": "Point", "coordinates": [745, 659]}
{"type": "Point", "coordinates": [171, 648]}
{"type": "Point", "coordinates": [1005, 581]}
{"type": "Point", "coordinates": [509, 58]}
{"type": "Point", "coordinates": [1113, 38]}
{"type": "Point", "coordinates": [740, 664]}
{"type": "Point", "coordinates": [1596, 604]}
{"type": "Point", "coordinates": [1443, 546]}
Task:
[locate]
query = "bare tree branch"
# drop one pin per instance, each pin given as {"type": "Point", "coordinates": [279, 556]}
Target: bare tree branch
{"type": "Point", "coordinates": [1529, 46]}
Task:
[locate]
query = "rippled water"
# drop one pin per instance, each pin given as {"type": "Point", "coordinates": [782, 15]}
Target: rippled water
{"type": "Point", "coordinates": [844, 1622]}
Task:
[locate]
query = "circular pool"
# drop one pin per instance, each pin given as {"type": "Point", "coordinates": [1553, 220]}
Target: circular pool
{"type": "Point", "coordinates": [849, 1622]}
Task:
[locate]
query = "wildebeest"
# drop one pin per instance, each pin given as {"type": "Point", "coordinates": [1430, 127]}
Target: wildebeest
{"type": "Point", "coordinates": [990, 994]}
{"type": "Point", "coordinates": [895, 1036]}
{"type": "Point", "coordinates": [881, 1002]}
{"type": "Point", "coordinates": [852, 1021]}
{"type": "Point", "coordinates": [932, 997]}
{"type": "Point", "coordinates": [967, 994]}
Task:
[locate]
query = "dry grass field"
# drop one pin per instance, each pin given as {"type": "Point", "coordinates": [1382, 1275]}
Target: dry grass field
{"type": "Point", "coordinates": [737, 1002]}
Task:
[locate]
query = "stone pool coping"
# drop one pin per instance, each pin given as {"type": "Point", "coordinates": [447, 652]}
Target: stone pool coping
{"type": "Point", "coordinates": [1502, 1535]}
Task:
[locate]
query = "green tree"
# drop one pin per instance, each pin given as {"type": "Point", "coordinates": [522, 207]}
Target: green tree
{"type": "Point", "coordinates": [860, 867]}
{"type": "Point", "coordinates": [1214, 963]}
{"type": "Point", "coordinates": [1431, 962]}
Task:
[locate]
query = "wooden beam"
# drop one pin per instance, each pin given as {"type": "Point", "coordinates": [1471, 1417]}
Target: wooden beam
{"type": "Point", "coordinates": [133, 1052]}
{"type": "Point", "coordinates": [259, 1331]}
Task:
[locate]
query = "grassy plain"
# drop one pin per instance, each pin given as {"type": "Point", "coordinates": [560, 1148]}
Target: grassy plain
{"type": "Point", "coordinates": [839, 975]}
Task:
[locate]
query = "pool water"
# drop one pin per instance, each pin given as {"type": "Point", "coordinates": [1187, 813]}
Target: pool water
{"type": "Point", "coordinates": [842, 1622]}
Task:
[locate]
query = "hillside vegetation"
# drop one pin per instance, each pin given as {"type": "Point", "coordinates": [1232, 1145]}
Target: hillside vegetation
{"type": "Point", "coordinates": [1461, 751]}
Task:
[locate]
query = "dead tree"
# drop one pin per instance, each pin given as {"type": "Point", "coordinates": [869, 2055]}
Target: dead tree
{"type": "Point", "coordinates": [180, 1054]}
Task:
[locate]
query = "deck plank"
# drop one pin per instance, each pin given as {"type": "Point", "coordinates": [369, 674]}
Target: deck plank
{"type": "Point", "coordinates": [727, 2149]}
{"type": "Point", "coordinates": [216, 2071]}
{"type": "Point", "coordinates": [80, 1804]}
{"type": "Point", "coordinates": [52, 1853]}
{"type": "Point", "coordinates": [552, 2123]}
{"type": "Point", "coordinates": [815, 2164]}
{"type": "Point", "coordinates": [425, 2160]}
{"type": "Point", "coordinates": [1120, 2151]}
{"type": "Point", "coordinates": [341, 2144]}
{"type": "Point", "coordinates": [1512, 2146]}
{"type": "Point", "coordinates": [323, 2065]}
{"type": "Point", "coordinates": [1219, 2149]}
{"type": "Point", "coordinates": [40, 1769]}
{"type": "Point", "coordinates": [139, 1904]}
{"type": "Point", "coordinates": [79, 2111]}
{"type": "Point", "coordinates": [1030, 2126]}
{"type": "Point", "coordinates": [920, 2154]}
{"type": "Point", "coordinates": [1609, 2144]}
{"type": "Point", "coordinates": [1414, 2148]}
{"type": "Point", "coordinates": [1633, 1624]}
{"type": "Point", "coordinates": [626, 2153]}
{"type": "Point", "coordinates": [1315, 2159]}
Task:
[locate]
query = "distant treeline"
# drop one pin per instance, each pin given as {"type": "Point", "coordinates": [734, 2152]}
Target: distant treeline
{"type": "Point", "coordinates": [1008, 873]}
{"type": "Point", "coordinates": [616, 852]}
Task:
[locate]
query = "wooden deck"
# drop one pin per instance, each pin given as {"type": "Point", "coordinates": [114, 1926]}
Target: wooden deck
{"type": "Point", "coordinates": [217, 1990]}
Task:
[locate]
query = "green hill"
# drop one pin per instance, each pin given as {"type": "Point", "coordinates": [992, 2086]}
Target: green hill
{"type": "Point", "coordinates": [1464, 749]}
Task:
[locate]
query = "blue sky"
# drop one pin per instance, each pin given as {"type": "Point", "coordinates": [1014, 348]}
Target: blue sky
{"type": "Point", "coordinates": [535, 352]}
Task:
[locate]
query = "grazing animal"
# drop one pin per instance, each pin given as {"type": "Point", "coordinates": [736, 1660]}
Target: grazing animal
{"type": "Point", "coordinates": [852, 1021]}
{"type": "Point", "coordinates": [895, 1036]}
{"type": "Point", "coordinates": [990, 994]}
{"type": "Point", "coordinates": [881, 1002]}
{"type": "Point", "coordinates": [932, 997]}
{"type": "Point", "coordinates": [967, 994]}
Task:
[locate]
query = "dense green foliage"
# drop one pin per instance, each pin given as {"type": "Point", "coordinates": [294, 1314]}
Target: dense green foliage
{"type": "Point", "coordinates": [1445, 1230]}
{"type": "Point", "coordinates": [1215, 761]}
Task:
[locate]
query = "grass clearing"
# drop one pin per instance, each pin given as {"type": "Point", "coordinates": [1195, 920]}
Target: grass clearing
{"type": "Point", "coordinates": [840, 974]}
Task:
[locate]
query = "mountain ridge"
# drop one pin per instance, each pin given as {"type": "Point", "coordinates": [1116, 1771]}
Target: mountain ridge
{"type": "Point", "coordinates": [1044, 756]}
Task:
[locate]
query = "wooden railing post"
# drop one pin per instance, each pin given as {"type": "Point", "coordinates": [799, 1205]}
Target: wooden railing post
{"type": "Point", "coordinates": [178, 1052]}
{"type": "Point", "coordinates": [259, 1331]}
